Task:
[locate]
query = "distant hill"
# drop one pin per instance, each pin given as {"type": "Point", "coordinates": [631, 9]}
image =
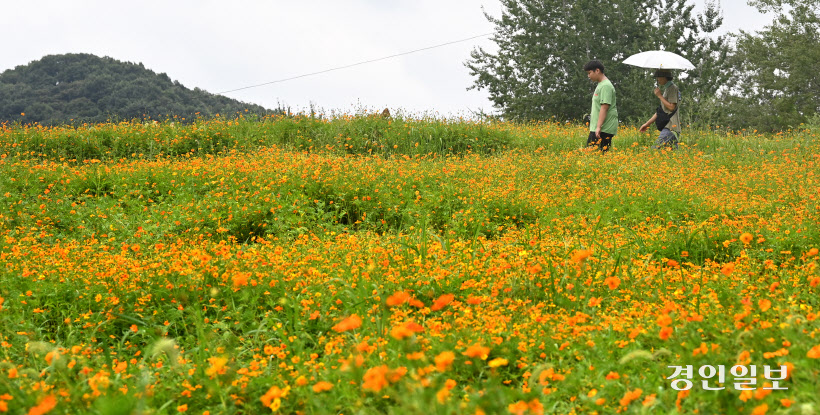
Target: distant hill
{"type": "Point", "coordinates": [86, 88]}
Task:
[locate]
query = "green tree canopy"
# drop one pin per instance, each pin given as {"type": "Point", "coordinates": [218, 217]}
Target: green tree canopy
{"type": "Point", "coordinates": [778, 68]}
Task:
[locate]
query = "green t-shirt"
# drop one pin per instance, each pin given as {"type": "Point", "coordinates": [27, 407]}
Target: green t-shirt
{"type": "Point", "coordinates": [604, 94]}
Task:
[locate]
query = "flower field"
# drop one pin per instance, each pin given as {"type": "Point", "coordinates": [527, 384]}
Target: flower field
{"type": "Point", "coordinates": [364, 265]}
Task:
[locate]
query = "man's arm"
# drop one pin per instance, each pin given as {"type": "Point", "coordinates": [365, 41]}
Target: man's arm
{"type": "Point", "coordinates": [648, 123]}
{"type": "Point", "coordinates": [601, 118]}
{"type": "Point", "coordinates": [668, 105]}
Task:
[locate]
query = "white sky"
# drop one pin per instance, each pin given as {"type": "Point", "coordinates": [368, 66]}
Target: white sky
{"type": "Point", "coordinates": [220, 45]}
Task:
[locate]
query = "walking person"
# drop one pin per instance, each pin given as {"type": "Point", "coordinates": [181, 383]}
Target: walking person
{"type": "Point", "coordinates": [667, 117]}
{"type": "Point", "coordinates": [603, 117]}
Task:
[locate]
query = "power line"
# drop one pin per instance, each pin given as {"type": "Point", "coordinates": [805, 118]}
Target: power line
{"type": "Point", "coordinates": [354, 64]}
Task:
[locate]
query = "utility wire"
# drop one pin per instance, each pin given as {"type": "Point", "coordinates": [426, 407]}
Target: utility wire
{"type": "Point", "coordinates": [354, 64]}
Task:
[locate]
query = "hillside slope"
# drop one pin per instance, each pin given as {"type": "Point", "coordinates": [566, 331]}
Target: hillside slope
{"type": "Point", "coordinates": [86, 88]}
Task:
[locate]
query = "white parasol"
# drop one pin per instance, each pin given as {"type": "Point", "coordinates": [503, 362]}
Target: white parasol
{"type": "Point", "coordinates": [659, 59]}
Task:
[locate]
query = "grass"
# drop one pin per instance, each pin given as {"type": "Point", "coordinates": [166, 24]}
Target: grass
{"type": "Point", "coordinates": [334, 266]}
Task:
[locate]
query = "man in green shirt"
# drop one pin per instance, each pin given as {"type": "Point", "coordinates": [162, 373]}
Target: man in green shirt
{"type": "Point", "coordinates": [603, 121]}
{"type": "Point", "coordinates": [669, 96]}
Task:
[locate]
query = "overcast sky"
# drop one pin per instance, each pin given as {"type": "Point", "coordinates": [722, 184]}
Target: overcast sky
{"type": "Point", "coordinates": [220, 46]}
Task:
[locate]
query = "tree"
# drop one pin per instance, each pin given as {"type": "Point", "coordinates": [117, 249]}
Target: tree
{"type": "Point", "coordinates": [543, 44]}
{"type": "Point", "coordinates": [707, 84]}
{"type": "Point", "coordinates": [778, 67]}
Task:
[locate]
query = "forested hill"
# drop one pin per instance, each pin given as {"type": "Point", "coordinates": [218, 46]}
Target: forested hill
{"type": "Point", "coordinates": [86, 88]}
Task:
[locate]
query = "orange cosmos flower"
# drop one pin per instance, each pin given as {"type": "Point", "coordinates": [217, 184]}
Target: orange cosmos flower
{"type": "Point", "coordinates": [396, 374]}
{"type": "Point", "coordinates": [498, 361]}
{"type": "Point", "coordinates": [594, 302]}
{"type": "Point", "coordinates": [762, 393]}
{"type": "Point", "coordinates": [398, 298]}
{"type": "Point", "coordinates": [630, 396]}
{"type": "Point", "coordinates": [350, 323]}
{"type": "Point", "coordinates": [548, 375]}
{"type": "Point", "coordinates": [728, 269]}
{"type": "Point", "coordinates": [786, 402]}
{"type": "Point", "coordinates": [612, 282]}
{"type": "Point", "coordinates": [665, 333]}
{"type": "Point", "coordinates": [536, 407]}
{"type": "Point", "coordinates": [45, 406]}
{"type": "Point", "coordinates": [444, 360]}
{"type": "Point", "coordinates": [813, 252]}
{"type": "Point", "coordinates": [239, 280]}
{"type": "Point", "coordinates": [746, 238]}
{"type": "Point", "coordinates": [375, 379]}
{"type": "Point", "coordinates": [518, 408]}
{"type": "Point", "coordinates": [1, 303]}
{"type": "Point", "coordinates": [789, 369]}
{"type": "Point", "coordinates": [400, 332]}
{"type": "Point", "coordinates": [444, 392]}
{"type": "Point", "coordinates": [814, 353]}
{"type": "Point", "coordinates": [760, 409]}
{"type": "Point", "coordinates": [405, 330]}
{"type": "Point", "coordinates": [414, 327]}
{"type": "Point", "coordinates": [477, 350]}
{"type": "Point", "coordinates": [51, 356]}
{"type": "Point", "coordinates": [581, 255]}
{"type": "Point", "coordinates": [764, 304]}
{"type": "Point", "coordinates": [474, 300]}
{"type": "Point", "coordinates": [442, 395]}
{"type": "Point", "coordinates": [664, 320]}
{"type": "Point", "coordinates": [182, 408]}
{"type": "Point", "coordinates": [217, 366]}
{"type": "Point", "coordinates": [442, 301]}
{"type": "Point", "coordinates": [273, 397]}
{"type": "Point", "coordinates": [681, 395]}
{"type": "Point", "coordinates": [322, 386]}
{"type": "Point", "coordinates": [612, 376]}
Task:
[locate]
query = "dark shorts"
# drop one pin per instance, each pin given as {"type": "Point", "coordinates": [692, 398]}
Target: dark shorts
{"type": "Point", "coordinates": [604, 143]}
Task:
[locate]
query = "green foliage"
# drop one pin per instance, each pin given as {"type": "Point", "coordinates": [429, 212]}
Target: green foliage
{"type": "Point", "coordinates": [537, 72]}
{"type": "Point", "coordinates": [85, 88]}
{"type": "Point", "coordinates": [777, 68]}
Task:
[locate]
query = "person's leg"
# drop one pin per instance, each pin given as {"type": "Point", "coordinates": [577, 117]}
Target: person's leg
{"type": "Point", "coordinates": [666, 139]}
{"type": "Point", "coordinates": [606, 142]}
{"type": "Point", "coordinates": [592, 140]}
